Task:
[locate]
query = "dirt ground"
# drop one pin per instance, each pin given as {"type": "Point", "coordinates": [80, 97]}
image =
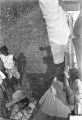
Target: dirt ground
{"type": "Point", "coordinates": [23, 31]}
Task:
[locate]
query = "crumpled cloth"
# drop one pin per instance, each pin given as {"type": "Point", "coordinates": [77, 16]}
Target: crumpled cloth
{"type": "Point", "coordinates": [54, 103]}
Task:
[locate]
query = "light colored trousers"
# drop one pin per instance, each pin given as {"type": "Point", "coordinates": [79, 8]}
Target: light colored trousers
{"type": "Point", "coordinates": [57, 28]}
{"type": "Point", "coordinates": [57, 52]}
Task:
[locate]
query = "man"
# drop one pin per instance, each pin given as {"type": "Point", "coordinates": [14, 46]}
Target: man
{"type": "Point", "coordinates": [58, 34]}
{"type": "Point", "coordinates": [57, 29]}
{"type": "Point", "coordinates": [78, 49]}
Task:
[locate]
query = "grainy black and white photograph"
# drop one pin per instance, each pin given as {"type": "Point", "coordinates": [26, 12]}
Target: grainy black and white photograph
{"type": "Point", "coordinates": [40, 59]}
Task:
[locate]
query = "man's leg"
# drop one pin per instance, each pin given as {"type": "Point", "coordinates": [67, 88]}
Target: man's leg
{"type": "Point", "coordinates": [57, 29]}
{"type": "Point", "coordinates": [58, 59]}
{"type": "Point", "coordinates": [57, 52]}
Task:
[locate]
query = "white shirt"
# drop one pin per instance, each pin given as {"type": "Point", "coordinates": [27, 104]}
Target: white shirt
{"type": "Point", "coordinates": [7, 61]}
{"type": "Point", "coordinates": [57, 27]}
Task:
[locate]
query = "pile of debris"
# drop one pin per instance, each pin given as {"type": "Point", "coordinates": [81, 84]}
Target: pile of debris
{"type": "Point", "coordinates": [22, 106]}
